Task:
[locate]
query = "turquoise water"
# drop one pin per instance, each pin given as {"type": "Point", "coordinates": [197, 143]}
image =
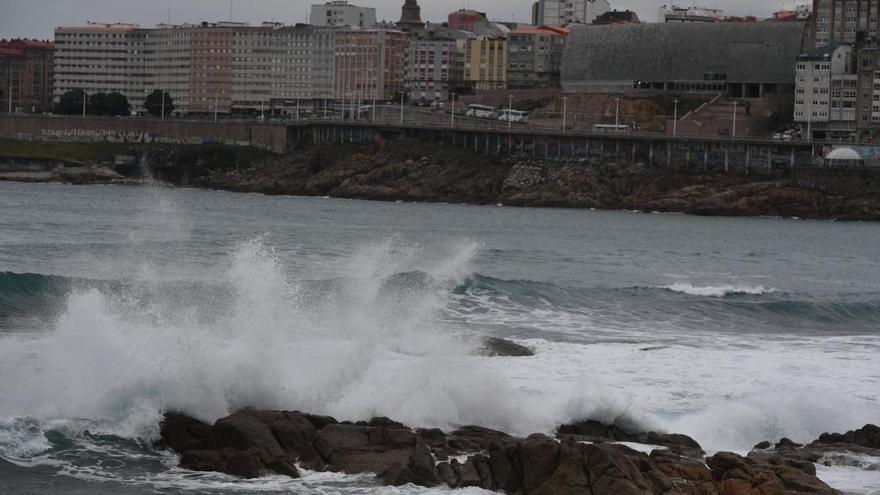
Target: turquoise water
{"type": "Point", "coordinates": [117, 303]}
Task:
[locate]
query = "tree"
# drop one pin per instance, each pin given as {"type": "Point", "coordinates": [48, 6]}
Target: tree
{"type": "Point", "coordinates": [71, 103]}
{"type": "Point", "coordinates": [116, 104]}
{"type": "Point", "coordinates": [153, 103]}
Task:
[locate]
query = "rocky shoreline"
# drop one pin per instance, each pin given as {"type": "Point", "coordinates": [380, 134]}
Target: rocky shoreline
{"type": "Point", "coordinates": [413, 171]}
{"type": "Point", "coordinates": [586, 457]}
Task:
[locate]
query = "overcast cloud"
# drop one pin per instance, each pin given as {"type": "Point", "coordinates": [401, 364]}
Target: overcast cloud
{"type": "Point", "coordinates": [38, 18]}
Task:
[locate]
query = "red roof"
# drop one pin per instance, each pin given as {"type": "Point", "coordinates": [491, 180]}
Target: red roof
{"type": "Point", "coordinates": [11, 52]}
{"type": "Point", "coordinates": [25, 44]}
{"type": "Point", "coordinates": [553, 30]}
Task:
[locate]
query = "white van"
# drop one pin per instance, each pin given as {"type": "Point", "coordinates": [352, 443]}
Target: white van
{"type": "Point", "coordinates": [514, 116]}
{"type": "Point", "coordinates": [481, 112]}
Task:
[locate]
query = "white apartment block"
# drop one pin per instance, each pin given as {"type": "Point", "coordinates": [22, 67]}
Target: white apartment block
{"type": "Point", "coordinates": [825, 93]}
{"type": "Point", "coordinates": [564, 12]}
{"type": "Point", "coordinates": [340, 13]}
{"type": "Point", "coordinates": [102, 58]}
{"type": "Point", "coordinates": [841, 21]}
{"type": "Point", "coordinates": [223, 67]}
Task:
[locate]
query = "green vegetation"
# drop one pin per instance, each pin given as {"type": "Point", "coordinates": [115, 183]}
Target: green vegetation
{"type": "Point", "coordinates": [155, 106]}
{"type": "Point", "coordinates": [105, 152]}
{"type": "Point", "coordinates": [112, 104]}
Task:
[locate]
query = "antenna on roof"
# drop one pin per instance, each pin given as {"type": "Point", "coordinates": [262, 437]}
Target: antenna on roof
{"type": "Point", "coordinates": [230, 10]}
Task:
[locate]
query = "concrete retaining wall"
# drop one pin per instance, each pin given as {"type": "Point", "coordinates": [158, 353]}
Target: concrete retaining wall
{"type": "Point", "coordinates": [125, 130]}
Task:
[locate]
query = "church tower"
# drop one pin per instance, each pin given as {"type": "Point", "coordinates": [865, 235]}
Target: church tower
{"type": "Point", "coordinates": [411, 14]}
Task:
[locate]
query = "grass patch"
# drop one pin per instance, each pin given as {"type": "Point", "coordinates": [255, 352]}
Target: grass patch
{"type": "Point", "coordinates": [106, 152]}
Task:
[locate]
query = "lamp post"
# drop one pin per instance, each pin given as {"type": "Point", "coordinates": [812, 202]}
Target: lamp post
{"type": "Point", "coordinates": [163, 104]}
{"type": "Point", "coordinates": [453, 110]}
{"type": "Point", "coordinates": [10, 99]}
{"type": "Point", "coordinates": [616, 114]}
{"type": "Point", "coordinates": [733, 134]}
{"type": "Point", "coordinates": [675, 120]}
{"type": "Point", "coordinates": [564, 112]}
{"type": "Point", "coordinates": [509, 111]}
{"type": "Point", "coordinates": [216, 98]}
{"type": "Point", "coordinates": [401, 105]}
{"type": "Point", "coordinates": [84, 103]}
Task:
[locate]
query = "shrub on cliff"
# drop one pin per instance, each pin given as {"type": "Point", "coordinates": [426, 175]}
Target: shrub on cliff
{"type": "Point", "coordinates": [153, 104]}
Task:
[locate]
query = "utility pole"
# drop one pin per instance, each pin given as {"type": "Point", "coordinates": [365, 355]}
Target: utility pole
{"type": "Point", "coordinates": [564, 112]}
{"type": "Point", "coordinates": [675, 120]}
{"type": "Point", "coordinates": [453, 110]}
{"type": "Point", "coordinates": [84, 103]}
{"type": "Point", "coordinates": [401, 106]}
{"type": "Point", "coordinates": [374, 104]}
{"type": "Point", "coordinates": [10, 99]}
{"type": "Point", "coordinates": [216, 97]}
{"type": "Point", "coordinates": [163, 104]}
{"type": "Point", "coordinates": [733, 134]}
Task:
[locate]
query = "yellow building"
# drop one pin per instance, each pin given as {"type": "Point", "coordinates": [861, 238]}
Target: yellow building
{"type": "Point", "coordinates": [485, 63]}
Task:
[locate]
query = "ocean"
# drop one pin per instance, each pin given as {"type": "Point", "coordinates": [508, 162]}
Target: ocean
{"type": "Point", "coordinates": [119, 303]}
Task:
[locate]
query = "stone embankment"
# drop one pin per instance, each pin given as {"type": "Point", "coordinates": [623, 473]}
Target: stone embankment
{"type": "Point", "coordinates": [583, 458]}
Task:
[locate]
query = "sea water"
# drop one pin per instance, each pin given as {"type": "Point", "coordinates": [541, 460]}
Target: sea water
{"type": "Point", "coordinates": [119, 303]}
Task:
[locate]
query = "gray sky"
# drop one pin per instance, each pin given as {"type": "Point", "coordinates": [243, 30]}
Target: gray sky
{"type": "Point", "coordinates": [38, 18]}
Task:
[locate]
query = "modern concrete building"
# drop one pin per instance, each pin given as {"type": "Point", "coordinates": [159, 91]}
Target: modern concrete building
{"type": "Point", "coordinates": [743, 60]}
{"type": "Point", "coordinates": [102, 58]}
{"type": "Point", "coordinates": [564, 12]}
{"type": "Point", "coordinates": [868, 96]}
{"type": "Point", "coordinates": [26, 76]}
{"type": "Point", "coordinates": [370, 64]}
{"type": "Point", "coordinates": [845, 21]}
{"type": "Point", "coordinates": [535, 56]}
{"type": "Point", "coordinates": [340, 13]}
{"type": "Point", "coordinates": [303, 65]}
{"type": "Point", "coordinates": [485, 63]}
{"type": "Point", "coordinates": [825, 93]}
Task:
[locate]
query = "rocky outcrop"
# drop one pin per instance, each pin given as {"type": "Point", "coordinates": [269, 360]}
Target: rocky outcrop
{"type": "Point", "coordinates": [494, 346]}
{"type": "Point", "coordinates": [585, 458]}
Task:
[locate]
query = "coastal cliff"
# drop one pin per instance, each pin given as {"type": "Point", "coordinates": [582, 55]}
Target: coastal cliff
{"type": "Point", "coordinates": [408, 170]}
{"type": "Point", "coordinates": [403, 170]}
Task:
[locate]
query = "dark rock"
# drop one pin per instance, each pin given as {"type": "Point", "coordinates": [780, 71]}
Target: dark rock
{"type": "Point", "coordinates": [611, 471]}
{"type": "Point", "coordinates": [295, 433]}
{"type": "Point", "coordinates": [539, 457]}
{"type": "Point", "coordinates": [494, 346]}
{"type": "Point", "coordinates": [447, 475]}
{"type": "Point", "coordinates": [787, 443]}
{"type": "Point", "coordinates": [763, 445]}
{"type": "Point", "coordinates": [506, 467]}
{"type": "Point", "coordinates": [469, 436]}
{"type": "Point", "coordinates": [466, 473]}
{"type": "Point", "coordinates": [868, 436]}
{"type": "Point", "coordinates": [481, 462]}
{"type": "Point", "coordinates": [181, 433]}
{"type": "Point", "coordinates": [596, 431]}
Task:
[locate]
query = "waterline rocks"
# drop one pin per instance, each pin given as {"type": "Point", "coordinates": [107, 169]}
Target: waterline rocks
{"type": "Point", "coordinates": [587, 457]}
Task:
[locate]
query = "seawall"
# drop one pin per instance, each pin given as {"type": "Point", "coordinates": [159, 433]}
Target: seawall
{"type": "Point", "coordinates": [269, 137]}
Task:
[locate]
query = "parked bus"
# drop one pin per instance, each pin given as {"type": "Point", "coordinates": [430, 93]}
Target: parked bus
{"type": "Point", "coordinates": [611, 128]}
{"type": "Point", "coordinates": [514, 116]}
{"type": "Point", "coordinates": [481, 112]}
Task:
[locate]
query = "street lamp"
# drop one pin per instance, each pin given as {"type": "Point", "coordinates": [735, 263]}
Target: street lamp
{"type": "Point", "coordinates": [509, 111]}
{"type": "Point", "coordinates": [617, 114]}
{"type": "Point", "coordinates": [675, 120]}
{"type": "Point", "coordinates": [453, 110]}
{"type": "Point", "coordinates": [733, 134]}
{"type": "Point", "coordinates": [564, 111]}
{"type": "Point", "coordinates": [84, 103]}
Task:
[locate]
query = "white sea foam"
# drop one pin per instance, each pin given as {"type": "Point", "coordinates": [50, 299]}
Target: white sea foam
{"type": "Point", "coordinates": [719, 290]}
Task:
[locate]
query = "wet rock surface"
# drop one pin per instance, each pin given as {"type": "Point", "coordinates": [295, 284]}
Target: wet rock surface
{"type": "Point", "coordinates": [585, 457]}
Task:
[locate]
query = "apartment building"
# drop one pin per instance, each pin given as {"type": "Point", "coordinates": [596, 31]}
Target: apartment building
{"type": "Point", "coordinates": [431, 70]}
{"type": "Point", "coordinates": [845, 21]}
{"type": "Point", "coordinates": [221, 67]}
{"type": "Point", "coordinates": [102, 58]}
{"type": "Point", "coordinates": [370, 64]}
{"type": "Point", "coordinates": [339, 13]}
{"type": "Point", "coordinates": [564, 12]}
{"type": "Point", "coordinates": [485, 64]}
{"type": "Point", "coordinates": [26, 76]}
{"type": "Point", "coordinates": [826, 93]}
{"type": "Point", "coordinates": [535, 56]}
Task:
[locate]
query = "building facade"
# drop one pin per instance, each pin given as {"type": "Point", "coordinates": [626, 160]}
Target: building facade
{"type": "Point", "coordinates": [102, 58]}
{"type": "Point", "coordinates": [468, 20]}
{"type": "Point", "coordinates": [826, 93]}
{"type": "Point", "coordinates": [535, 56]}
{"type": "Point", "coordinates": [431, 70]}
{"type": "Point", "coordinates": [26, 76]}
{"type": "Point", "coordinates": [845, 21]}
{"type": "Point", "coordinates": [564, 12]}
{"type": "Point", "coordinates": [340, 13]}
{"type": "Point", "coordinates": [485, 63]}
{"type": "Point", "coordinates": [674, 13]}
{"type": "Point", "coordinates": [370, 64]}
